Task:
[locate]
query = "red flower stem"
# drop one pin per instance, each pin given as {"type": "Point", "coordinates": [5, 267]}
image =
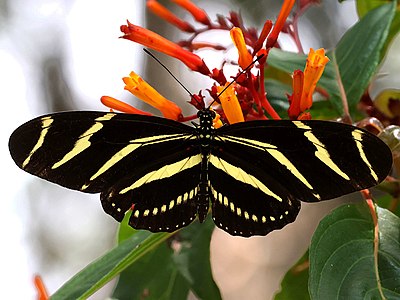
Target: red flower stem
{"type": "Point", "coordinates": [264, 101]}
{"type": "Point", "coordinates": [268, 107]}
{"type": "Point", "coordinates": [255, 95]}
{"type": "Point", "coordinates": [295, 31]}
{"type": "Point", "coordinates": [322, 91]}
{"type": "Point", "coordinates": [188, 118]}
{"type": "Point", "coordinates": [262, 80]}
{"type": "Point", "coordinates": [367, 196]}
{"type": "Point", "coordinates": [253, 115]}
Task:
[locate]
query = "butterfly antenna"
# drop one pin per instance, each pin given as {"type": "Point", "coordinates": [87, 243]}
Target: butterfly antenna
{"type": "Point", "coordinates": [236, 77]}
{"type": "Point", "coordinates": [169, 72]}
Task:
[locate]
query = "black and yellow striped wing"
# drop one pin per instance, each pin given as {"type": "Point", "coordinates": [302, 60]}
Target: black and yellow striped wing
{"type": "Point", "coordinates": [143, 163]}
{"type": "Point", "coordinates": [260, 170]}
{"type": "Point", "coordinates": [254, 174]}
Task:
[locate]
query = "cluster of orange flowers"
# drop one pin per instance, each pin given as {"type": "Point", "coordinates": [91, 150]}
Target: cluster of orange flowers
{"type": "Point", "coordinates": [246, 98]}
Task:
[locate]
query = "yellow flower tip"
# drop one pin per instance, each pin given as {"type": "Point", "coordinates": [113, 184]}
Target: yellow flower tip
{"type": "Point", "coordinates": [317, 58]}
{"type": "Point", "coordinates": [217, 123]}
{"type": "Point", "coordinates": [230, 104]}
{"type": "Point", "coordinates": [245, 58]}
{"type": "Point", "coordinates": [145, 92]}
{"type": "Point", "coordinates": [315, 66]}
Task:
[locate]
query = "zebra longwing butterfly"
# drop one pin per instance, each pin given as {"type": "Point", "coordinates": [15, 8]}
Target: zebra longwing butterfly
{"type": "Point", "coordinates": [253, 174]}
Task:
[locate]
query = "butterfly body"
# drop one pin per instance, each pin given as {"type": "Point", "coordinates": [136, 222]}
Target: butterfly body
{"type": "Point", "coordinates": [252, 175]}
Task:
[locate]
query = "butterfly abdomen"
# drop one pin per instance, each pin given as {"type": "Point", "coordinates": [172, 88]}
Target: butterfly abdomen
{"type": "Point", "coordinates": [204, 195]}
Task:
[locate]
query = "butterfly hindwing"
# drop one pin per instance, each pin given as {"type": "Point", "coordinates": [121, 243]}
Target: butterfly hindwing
{"type": "Point", "coordinates": [89, 151]}
{"type": "Point", "coordinates": [315, 160]}
{"type": "Point", "coordinates": [247, 201]}
{"type": "Point", "coordinates": [162, 196]}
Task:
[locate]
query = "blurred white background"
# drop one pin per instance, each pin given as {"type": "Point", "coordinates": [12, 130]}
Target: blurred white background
{"type": "Point", "coordinates": [70, 51]}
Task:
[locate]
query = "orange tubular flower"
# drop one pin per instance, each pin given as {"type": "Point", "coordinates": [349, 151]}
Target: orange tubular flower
{"type": "Point", "coordinates": [168, 16]}
{"type": "Point", "coordinates": [230, 104]}
{"type": "Point", "coordinates": [141, 89]}
{"type": "Point", "coordinates": [154, 41]}
{"type": "Point", "coordinates": [115, 104]}
{"type": "Point", "coordinates": [315, 66]}
{"type": "Point", "coordinates": [297, 85]}
{"type": "Point", "coordinates": [41, 289]}
{"type": "Point", "coordinates": [304, 84]}
{"type": "Point", "coordinates": [280, 21]}
{"type": "Point", "coordinates": [245, 58]}
{"type": "Point", "coordinates": [198, 14]}
{"type": "Point", "coordinates": [263, 35]}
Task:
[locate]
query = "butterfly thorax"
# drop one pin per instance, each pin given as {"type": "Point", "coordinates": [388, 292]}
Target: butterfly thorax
{"type": "Point", "coordinates": [205, 135]}
{"type": "Point", "coordinates": [205, 128]}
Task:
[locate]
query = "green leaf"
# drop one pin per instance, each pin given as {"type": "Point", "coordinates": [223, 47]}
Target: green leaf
{"type": "Point", "coordinates": [99, 272]}
{"type": "Point", "coordinates": [277, 95]}
{"type": "Point", "coordinates": [388, 202]}
{"type": "Point", "coordinates": [323, 110]}
{"type": "Point", "coordinates": [294, 284]}
{"type": "Point", "coordinates": [169, 274]}
{"type": "Point", "coordinates": [364, 6]}
{"type": "Point", "coordinates": [154, 276]}
{"type": "Point", "coordinates": [354, 60]}
{"type": "Point", "coordinates": [342, 260]}
{"type": "Point", "coordinates": [357, 54]}
{"type": "Point", "coordinates": [286, 61]}
{"type": "Point", "coordinates": [124, 230]}
{"type": "Point", "coordinates": [193, 259]}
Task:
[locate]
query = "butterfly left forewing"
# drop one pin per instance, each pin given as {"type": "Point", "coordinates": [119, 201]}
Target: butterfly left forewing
{"type": "Point", "coordinates": [88, 151]}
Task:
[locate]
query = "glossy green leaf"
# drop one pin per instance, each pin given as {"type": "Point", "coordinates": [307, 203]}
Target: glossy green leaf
{"type": "Point", "coordinates": [101, 271]}
{"type": "Point", "coordinates": [165, 273]}
{"type": "Point", "coordinates": [124, 230]}
{"type": "Point", "coordinates": [193, 259]}
{"type": "Point", "coordinates": [323, 110]}
{"type": "Point", "coordinates": [154, 276]}
{"type": "Point", "coordinates": [342, 260]}
{"type": "Point", "coordinates": [364, 6]}
{"type": "Point", "coordinates": [357, 54]}
{"type": "Point", "coordinates": [286, 61]}
{"type": "Point", "coordinates": [294, 285]}
{"type": "Point", "coordinates": [276, 94]}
